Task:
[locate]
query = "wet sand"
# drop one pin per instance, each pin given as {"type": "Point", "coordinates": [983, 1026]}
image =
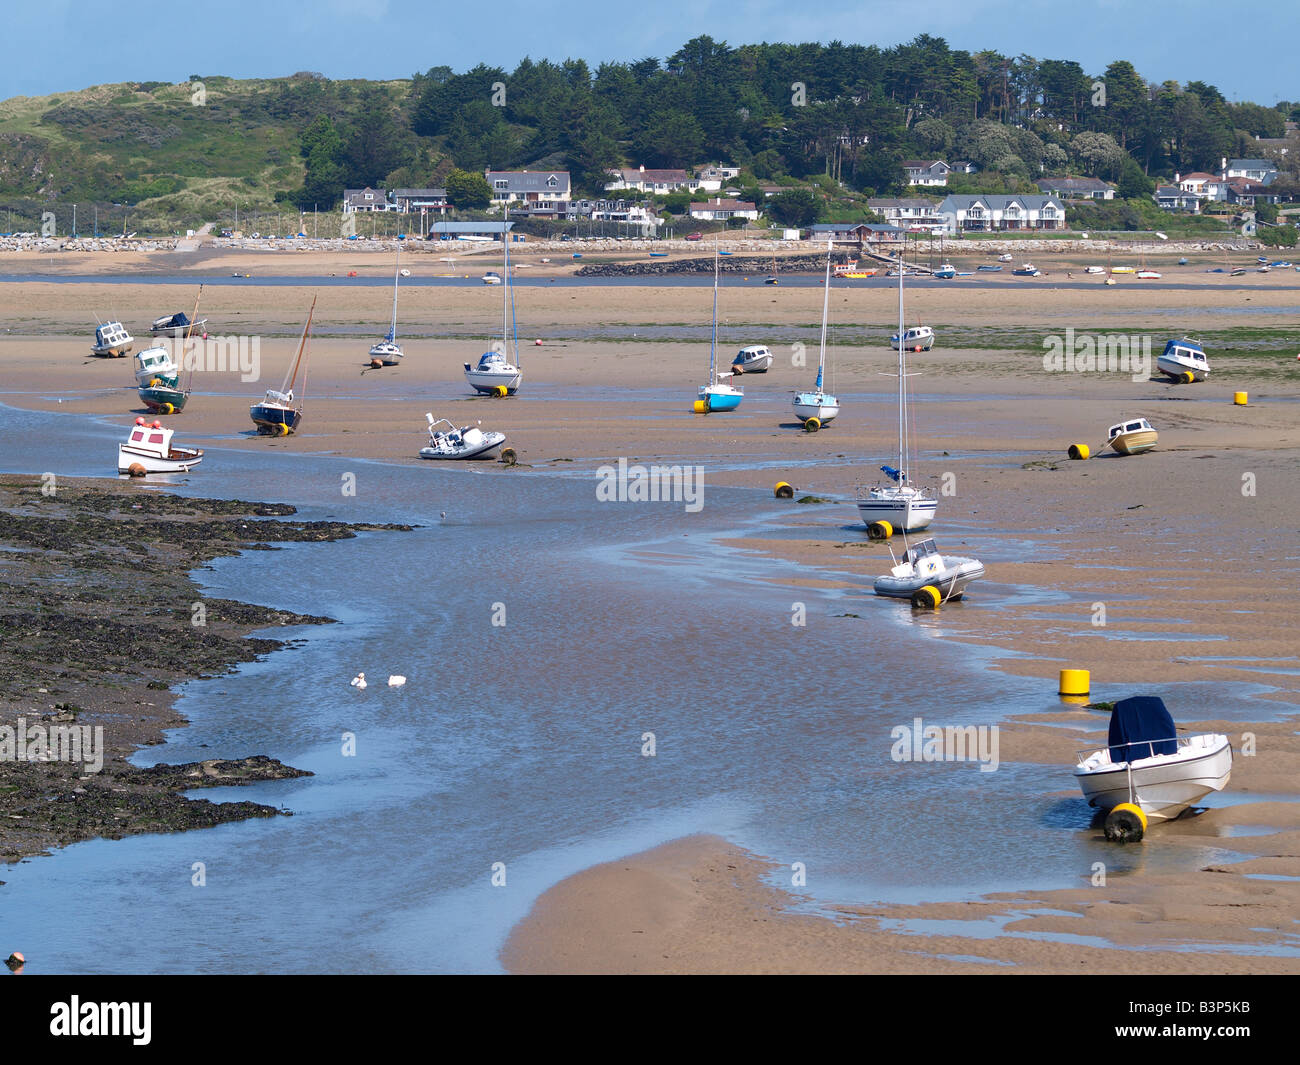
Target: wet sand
{"type": "Point", "coordinates": [1195, 573]}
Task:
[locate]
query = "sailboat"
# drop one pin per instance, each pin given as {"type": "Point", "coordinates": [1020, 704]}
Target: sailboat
{"type": "Point", "coordinates": [276, 415]}
{"type": "Point", "coordinates": [158, 376]}
{"type": "Point", "coordinates": [496, 374]}
{"type": "Point", "coordinates": [771, 278]}
{"type": "Point", "coordinates": [900, 504]}
{"type": "Point", "coordinates": [718, 394]}
{"type": "Point", "coordinates": [816, 408]}
{"type": "Point", "coordinates": [387, 352]}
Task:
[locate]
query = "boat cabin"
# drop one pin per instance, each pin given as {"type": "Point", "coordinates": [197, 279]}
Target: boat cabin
{"type": "Point", "coordinates": [1184, 351]}
{"type": "Point", "coordinates": [491, 360]}
{"type": "Point", "coordinates": [111, 334]}
{"type": "Point", "coordinates": [1138, 425]}
{"type": "Point", "coordinates": [920, 550]}
{"type": "Point", "coordinates": [278, 398]}
{"type": "Point", "coordinates": [151, 437]}
{"type": "Point", "coordinates": [154, 362]}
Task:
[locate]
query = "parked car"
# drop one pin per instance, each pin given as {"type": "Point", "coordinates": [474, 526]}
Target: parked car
{"type": "Point", "coordinates": [694, 236]}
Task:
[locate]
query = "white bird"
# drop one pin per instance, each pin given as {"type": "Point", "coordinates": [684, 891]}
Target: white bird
{"type": "Point", "coordinates": [396, 681]}
{"type": "Point", "coordinates": [359, 681]}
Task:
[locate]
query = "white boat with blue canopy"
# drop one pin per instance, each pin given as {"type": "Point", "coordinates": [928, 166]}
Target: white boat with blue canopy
{"type": "Point", "coordinates": [817, 407]}
{"type": "Point", "coordinates": [496, 373]}
{"type": "Point", "coordinates": [112, 341]}
{"type": "Point", "coordinates": [719, 394]}
{"type": "Point", "coordinates": [1183, 360]}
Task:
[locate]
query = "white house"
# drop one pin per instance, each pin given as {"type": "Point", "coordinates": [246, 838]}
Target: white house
{"type": "Point", "coordinates": [366, 199]}
{"type": "Point", "coordinates": [711, 178]}
{"type": "Point", "coordinates": [1260, 170]}
{"type": "Point", "coordinates": [1086, 188]}
{"type": "Point", "coordinates": [417, 201]}
{"type": "Point", "coordinates": [656, 182]}
{"type": "Point", "coordinates": [1199, 184]}
{"type": "Point", "coordinates": [720, 210]}
{"type": "Point", "coordinates": [998, 212]}
{"type": "Point", "coordinates": [926, 172]}
{"type": "Point", "coordinates": [540, 192]}
{"type": "Point", "coordinates": [907, 214]}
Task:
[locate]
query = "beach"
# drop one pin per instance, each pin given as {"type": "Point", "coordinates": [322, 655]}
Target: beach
{"type": "Point", "coordinates": [1189, 550]}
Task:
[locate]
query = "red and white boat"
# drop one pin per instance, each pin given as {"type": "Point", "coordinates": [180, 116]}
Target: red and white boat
{"type": "Point", "coordinates": [149, 447]}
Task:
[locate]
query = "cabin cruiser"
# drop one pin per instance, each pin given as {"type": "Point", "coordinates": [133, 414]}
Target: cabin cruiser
{"type": "Point", "coordinates": [915, 338]}
{"type": "Point", "coordinates": [1183, 360]}
{"type": "Point", "coordinates": [176, 325]}
{"type": "Point", "coordinates": [155, 364]}
{"type": "Point", "coordinates": [492, 373]}
{"type": "Point", "coordinates": [1132, 437]}
{"type": "Point", "coordinates": [112, 341]}
{"type": "Point", "coordinates": [149, 448]}
{"type": "Point", "coordinates": [755, 358]}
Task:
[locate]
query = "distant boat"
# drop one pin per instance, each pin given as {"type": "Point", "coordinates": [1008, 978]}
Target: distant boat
{"type": "Point", "coordinates": [915, 338]}
{"type": "Point", "coordinates": [1027, 270]}
{"type": "Point", "coordinates": [1005, 257]}
{"type": "Point", "coordinates": [718, 394]}
{"type": "Point", "coordinates": [1094, 269]}
{"type": "Point", "coordinates": [277, 414]}
{"type": "Point", "coordinates": [1132, 437]}
{"type": "Point", "coordinates": [1123, 269]}
{"type": "Point", "coordinates": [495, 373]}
{"type": "Point", "coordinates": [989, 267]}
{"type": "Point", "coordinates": [754, 358]}
{"type": "Point", "coordinates": [158, 377]}
{"type": "Point", "coordinates": [816, 408]}
{"type": "Point", "coordinates": [1148, 275]}
{"type": "Point", "coordinates": [150, 447]}
{"type": "Point", "coordinates": [1183, 360]}
{"type": "Point", "coordinates": [388, 352]}
{"type": "Point", "coordinates": [112, 341]}
{"type": "Point", "coordinates": [653, 255]}
{"type": "Point", "coordinates": [491, 278]}
{"type": "Point", "coordinates": [772, 279]}
{"type": "Point", "coordinates": [176, 325]}
{"type": "Point", "coordinates": [946, 272]}
{"type": "Point", "coordinates": [467, 442]}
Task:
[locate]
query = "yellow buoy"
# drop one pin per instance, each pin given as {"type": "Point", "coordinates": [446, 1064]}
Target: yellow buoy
{"type": "Point", "coordinates": [167, 408]}
{"type": "Point", "coordinates": [1126, 823]}
{"type": "Point", "coordinates": [1079, 451]}
{"type": "Point", "coordinates": [508, 456]}
{"type": "Point", "coordinates": [783, 490]}
{"type": "Point", "coordinates": [1075, 682]}
{"type": "Point", "coordinates": [500, 391]}
{"type": "Point", "coordinates": [927, 598]}
{"type": "Point", "coordinates": [879, 530]}
{"type": "Point", "coordinates": [701, 406]}
{"type": "Point", "coordinates": [285, 430]}
{"type": "Point", "coordinates": [812, 425]}
{"type": "Point", "coordinates": [1239, 398]}
{"type": "Point", "coordinates": [1188, 377]}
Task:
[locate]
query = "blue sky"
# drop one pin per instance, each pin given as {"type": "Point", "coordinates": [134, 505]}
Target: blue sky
{"type": "Point", "coordinates": [59, 45]}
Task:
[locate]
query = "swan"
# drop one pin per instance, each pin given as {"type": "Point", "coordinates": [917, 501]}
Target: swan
{"type": "Point", "coordinates": [359, 681]}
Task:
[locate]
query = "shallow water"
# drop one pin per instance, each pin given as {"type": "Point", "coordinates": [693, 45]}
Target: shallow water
{"type": "Point", "coordinates": [522, 743]}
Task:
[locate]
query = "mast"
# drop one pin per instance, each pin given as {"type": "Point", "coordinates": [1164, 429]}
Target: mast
{"type": "Point", "coordinates": [713, 338]}
{"type": "Point", "coordinates": [302, 345]}
{"type": "Point", "coordinates": [902, 373]}
{"type": "Point", "coordinates": [189, 333]}
{"type": "Point", "coordinates": [826, 304]}
{"type": "Point", "coordinates": [505, 294]}
{"type": "Point", "coordinates": [392, 332]}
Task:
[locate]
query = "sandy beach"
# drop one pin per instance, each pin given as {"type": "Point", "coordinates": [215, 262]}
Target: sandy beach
{"type": "Point", "coordinates": [1190, 548]}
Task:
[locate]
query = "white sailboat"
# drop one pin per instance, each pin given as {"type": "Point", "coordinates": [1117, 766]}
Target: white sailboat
{"type": "Point", "coordinates": [496, 373]}
{"type": "Point", "coordinates": [900, 503]}
{"type": "Point", "coordinates": [388, 352]}
{"type": "Point", "coordinates": [718, 394]}
{"type": "Point", "coordinates": [815, 408]}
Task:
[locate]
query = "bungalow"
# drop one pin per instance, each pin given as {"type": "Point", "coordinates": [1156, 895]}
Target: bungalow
{"type": "Point", "coordinates": [858, 232]}
{"type": "Point", "coordinates": [720, 210]}
{"type": "Point", "coordinates": [1250, 193]}
{"type": "Point", "coordinates": [1260, 170]}
{"type": "Point", "coordinates": [366, 199]}
{"type": "Point", "coordinates": [540, 192]}
{"type": "Point", "coordinates": [926, 172]}
{"type": "Point", "coordinates": [656, 182]}
{"type": "Point", "coordinates": [711, 177]}
{"type": "Point", "coordinates": [998, 212]}
{"type": "Point", "coordinates": [455, 230]}
{"type": "Point", "coordinates": [1172, 198]}
{"type": "Point", "coordinates": [413, 201]}
{"type": "Point", "coordinates": [1078, 188]}
{"type": "Point", "coordinates": [908, 214]}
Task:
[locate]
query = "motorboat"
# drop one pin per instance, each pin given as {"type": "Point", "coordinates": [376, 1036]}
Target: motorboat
{"type": "Point", "coordinates": [112, 341]}
{"type": "Point", "coordinates": [1027, 270]}
{"type": "Point", "coordinates": [1132, 437]}
{"type": "Point", "coordinates": [990, 267]}
{"type": "Point", "coordinates": [1123, 269]}
{"type": "Point", "coordinates": [1005, 257]}
{"type": "Point", "coordinates": [1094, 269]}
{"type": "Point", "coordinates": [928, 577]}
{"type": "Point", "coordinates": [496, 373]}
{"type": "Point", "coordinates": [466, 442]}
{"type": "Point", "coordinates": [915, 338]}
{"type": "Point", "coordinates": [755, 358]}
{"type": "Point", "coordinates": [491, 278]}
{"type": "Point", "coordinates": [176, 325]}
{"type": "Point", "coordinates": [388, 352]}
{"type": "Point", "coordinates": [946, 272]}
{"type": "Point", "coordinates": [1183, 360]}
{"type": "Point", "coordinates": [149, 448]}
{"type": "Point", "coordinates": [815, 407]}
{"type": "Point", "coordinates": [719, 394]}
{"type": "Point", "coordinates": [1148, 765]}
{"type": "Point", "coordinates": [155, 363]}
{"type": "Point", "coordinates": [1149, 275]}
{"type": "Point", "coordinates": [280, 413]}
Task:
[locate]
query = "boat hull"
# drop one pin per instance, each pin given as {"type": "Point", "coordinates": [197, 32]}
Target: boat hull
{"type": "Point", "coordinates": [387, 353]}
{"type": "Point", "coordinates": [1135, 443]}
{"type": "Point", "coordinates": [1175, 368]}
{"type": "Point", "coordinates": [1165, 785]}
{"type": "Point", "coordinates": [720, 400]}
{"type": "Point", "coordinates": [111, 351]}
{"type": "Point", "coordinates": [951, 578]}
{"type": "Point", "coordinates": [491, 443]}
{"type": "Point", "coordinates": [814, 405]}
{"type": "Point", "coordinates": [275, 420]}
{"type": "Point", "coordinates": [913, 341]}
{"type": "Point", "coordinates": [181, 460]}
{"type": "Point", "coordinates": [163, 400]}
{"type": "Point", "coordinates": [906, 513]}
{"type": "Point", "coordinates": [488, 382]}
{"type": "Point", "coordinates": [759, 365]}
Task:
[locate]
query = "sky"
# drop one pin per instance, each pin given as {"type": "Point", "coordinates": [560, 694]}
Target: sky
{"type": "Point", "coordinates": [61, 45]}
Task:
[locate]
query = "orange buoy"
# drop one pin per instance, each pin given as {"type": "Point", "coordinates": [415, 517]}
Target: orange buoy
{"type": "Point", "coordinates": [136, 470]}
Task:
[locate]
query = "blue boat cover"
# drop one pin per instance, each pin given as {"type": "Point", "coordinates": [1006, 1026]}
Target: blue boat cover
{"type": "Point", "coordinates": [1134, 723]}
{"type": "Point", "coordinates": [892, 473]}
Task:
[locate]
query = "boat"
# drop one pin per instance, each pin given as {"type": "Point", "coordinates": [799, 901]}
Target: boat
{"type": "Point", "coordinates": [158, 377]}
{"type": "Point", "coordinates": [816, 408]}
{"type": "Point", "coordinates": [990, 267]}
{"type": "Point", "coordinates": [846, 269]}
{"type": "Point", "coordinates": [1132, 437]}
{"type": "Point", "coordinates": [718, 394]}
{"type": "Point", "coordinates": [1123, 269]}
{"type": "Point", "coordinates": [495, 374]}
{"type": "Point", "coordinates": [1238, 272]}
{"type": "Point", "coordinates": [467, 442]}
{"type": "Point", "coordinates": [1148, 275]}
{"type": "Point", "coordinates": [149, 448]}
{"type": "Point", "coordinates": [1027, 270]}
{"type": "Point", "coordinates": [154, 363]}
{"type": "Point", "coordinates": [916, 338]}
{"type": "Point", "coordinates": [771, 278]}
{"type": "Point", "coordinates": [754, 358]}
{"type": "Point", "coordinates": [1148, 765]}
{"type": "Point", "coordinates": [112, 341]}
{"type": "Point", "coordinates": [653, 255]}
{"type": "Point", "coordinates": [1094, 269]}
{"type": "Point", "coordinates": [176, 325]}
{"type": "Point", "coordinates": [1183, 360]}
{"type": "Point", "coordinates": [946, 272]}
{"type": "Point", "coordinates": [491, 278]}
{"type": "Point", "coordinates": [1005, 257]}
{"type": "Point", "coordinates": [928, 577]}
{"type": "Point", "coordinates": [899, 505]}
{"type": "Point", "coordinates": [388, 352]}
{"type": "Point", "coordinates": [277, 414]}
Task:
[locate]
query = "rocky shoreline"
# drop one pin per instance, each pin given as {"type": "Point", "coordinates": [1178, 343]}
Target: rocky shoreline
{"type": "Point", "coordinates": [98, 618]}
